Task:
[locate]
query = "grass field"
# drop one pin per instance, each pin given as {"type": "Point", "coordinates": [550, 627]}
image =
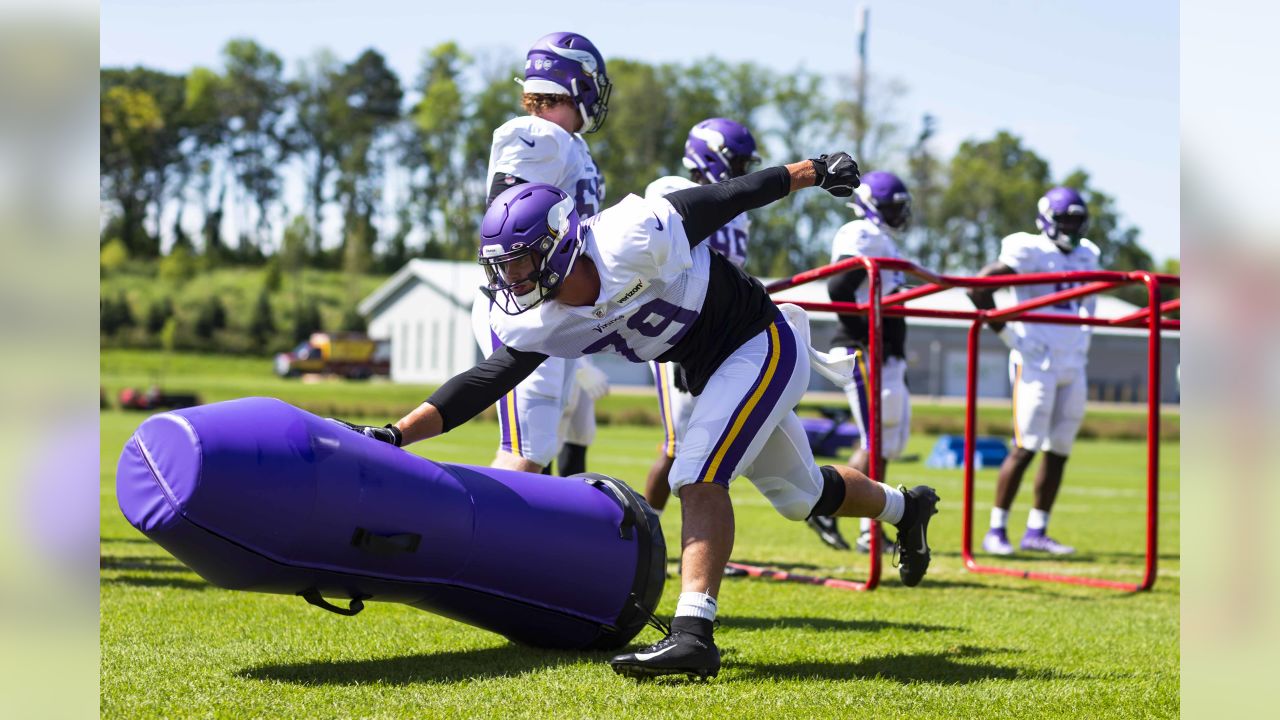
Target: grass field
{"type": "Point", "coordinates": [960, 645]}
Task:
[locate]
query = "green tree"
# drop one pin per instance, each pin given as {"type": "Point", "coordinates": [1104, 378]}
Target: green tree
{"type": "Point", "coordinates": [113, 256]}
{"type": "Point", "coordinates": [432, 150]}
{"type": "Point", "coordinates": [131, 123]}
{"type": "Point", "coordinates": [177, 267]}
{"type": "Point", "coordinates": [316, 130]}
{"type": "Point", "coordinates": [372, 94]}
{"type": "Point", "coordinates": [262, 325]}
{"type": "Point", "coordinates": [307, 320]}
{"type": "Point", "coordinates": [253, 97]}
{"type": "Point", "coordinates": [992, 192]}
{"type": "Point", "coordinates": [159, 312]}
{"type": "Point", "coordinates": [211, 317]}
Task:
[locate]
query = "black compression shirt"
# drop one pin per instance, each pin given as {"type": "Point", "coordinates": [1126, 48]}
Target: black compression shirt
{"type": "Point", "coordinates": [853, 329]}
{"type": "Point", "coordinates": [736, 307]}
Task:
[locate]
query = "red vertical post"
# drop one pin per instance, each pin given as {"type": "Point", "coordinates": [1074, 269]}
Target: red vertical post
{"type": "Point", "coordinates": [970, 443]}
{"type": "Point", "coordinates": [1153, 427]}
{"type": "Point", "coordinates": [874, 360]}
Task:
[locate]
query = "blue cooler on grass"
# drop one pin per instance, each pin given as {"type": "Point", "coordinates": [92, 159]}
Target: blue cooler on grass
{"type": "Point", "coordinates": [948, 453]}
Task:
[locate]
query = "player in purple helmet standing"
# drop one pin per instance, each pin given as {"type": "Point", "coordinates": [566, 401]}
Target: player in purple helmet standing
{"type": "Point", "coordinates": [1046, 365]}
{"type": "Point", "coordinates": [883, 206]}
{"type": "Point", "coordinates": [638, 280]}
{"type": "Point", "coordinates": [566, 92]}
{"type": "Point", "coordinates": [716, 150]}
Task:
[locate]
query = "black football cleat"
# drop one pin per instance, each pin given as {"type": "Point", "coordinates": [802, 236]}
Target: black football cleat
{"type": "Point", "coordinates": [679, 653]}
{"type": "Point", "coordinates": [913, 539]}
{"type": "Point", "coordinates": [828, 531]}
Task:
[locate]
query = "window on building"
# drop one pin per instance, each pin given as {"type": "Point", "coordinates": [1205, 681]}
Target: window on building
{"type": "Point", "coordinates": [417, 345]}
{"type": "Point", "coordinates": [435, 344]}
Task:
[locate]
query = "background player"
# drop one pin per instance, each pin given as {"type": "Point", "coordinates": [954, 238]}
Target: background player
{"type": "Point", "coordinates": [566, 91]}
{"type": "Point", "coordinates": [717, 149]}
{"type": "Point", "coordinates": [883, 206]}
{"type": "Point", "coordinates": [1046, 365]}
{"type": "Point", "coordinates": [639, 281]}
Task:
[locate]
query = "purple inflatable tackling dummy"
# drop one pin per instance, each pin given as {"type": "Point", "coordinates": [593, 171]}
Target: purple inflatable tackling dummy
{"type": "Point", "coordinates": [256, 494]}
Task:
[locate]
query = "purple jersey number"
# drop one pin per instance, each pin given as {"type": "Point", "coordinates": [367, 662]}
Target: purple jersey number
{"type": "Point", "coordinates": [587, 196]}
{"type": "Point", "coordinates": [643, 323]}
{"type": "Point", "coordinates": [730, 242]}
{"type": "Point", "coordinates": [1072, 304]}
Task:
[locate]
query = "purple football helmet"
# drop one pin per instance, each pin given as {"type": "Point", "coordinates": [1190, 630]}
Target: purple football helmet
{"type": "Point", "coordinates": [720, 149]}
{"type": "Point", "coordinates": [528, 245]}
{"type": "Point", "coordinates": [566, 63]}
{"type": "Point", "coordinates": [1062, 215]}
{"type": "Point", "coordinates": [883, 199]}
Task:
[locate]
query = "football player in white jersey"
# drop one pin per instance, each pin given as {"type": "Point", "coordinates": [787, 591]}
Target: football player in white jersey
{"type": "Point", "coordinates": [717, 149]}
{"type": "Point", "coordinates": [566, 92]}
{"type": "Point", "coordinates": [639, 281]}
{"type": "Point", "coordinates": [1046, 366]}
{"type": "Point", "coordinates": [883, 206]}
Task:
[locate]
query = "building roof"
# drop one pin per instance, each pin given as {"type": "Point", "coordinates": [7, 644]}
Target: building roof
{"type": "Point", "coordinates": [452, 279]}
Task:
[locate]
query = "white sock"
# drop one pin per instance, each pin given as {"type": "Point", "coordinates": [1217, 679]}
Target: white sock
{"type": "Point", "coordinates": [894, 504]}
{"type": "Point", "coordinates": [864, 525]}
{"type": "Point", "coordinates": [696, 604]}
{"type": "Point", "coordinates": [999, 518]}
{"type": "Point", "coordinates": [1037, 519]}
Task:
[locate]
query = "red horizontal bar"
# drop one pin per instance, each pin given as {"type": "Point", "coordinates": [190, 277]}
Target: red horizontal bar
{"type": "Point", "coordinates": [848, 308]}
{"type": "Point", "coordinates": [1054, 577]}
{"type": "Point", "coordinates": [784, 576]}
{"type": "Point", "coordinates": [1008, 313]}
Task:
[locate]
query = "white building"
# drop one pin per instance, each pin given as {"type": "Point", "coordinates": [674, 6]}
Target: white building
{"type": "Point", "coordinates": [425, 311]}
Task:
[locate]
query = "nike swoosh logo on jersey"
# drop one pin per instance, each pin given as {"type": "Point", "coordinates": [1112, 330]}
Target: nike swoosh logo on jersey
{"type": "Point", "coordinates": [525, 141]}
{"type": "Point", "coordinates": [658, 219]}
{"type": "Point", "coordinates": [652, 655]}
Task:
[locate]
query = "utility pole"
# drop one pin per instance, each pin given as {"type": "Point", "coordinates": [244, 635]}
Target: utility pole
{"type": "Point", "coordinates": [860, 117]}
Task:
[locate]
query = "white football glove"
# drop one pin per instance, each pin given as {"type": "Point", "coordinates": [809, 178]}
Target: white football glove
{"type": "Point", "coordinates": [592, 380]}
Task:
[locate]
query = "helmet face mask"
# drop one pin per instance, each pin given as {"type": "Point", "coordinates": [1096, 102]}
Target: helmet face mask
{"type": "Point", "coordinates": [568, 64]}
{"type": "Point", "coordinates": [883, 199]}
{"type": "Point", "coordinates": [529, 244]}
{"type": "Point", "coordinates": [719, 149]}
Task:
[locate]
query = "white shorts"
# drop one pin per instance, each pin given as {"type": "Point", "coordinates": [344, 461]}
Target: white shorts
{"type": "Point", "coordinates": [744, 423]}
{"type": "Point", "coordinates": [1048, 404]}
{"type": "Point", "coordinates": [578, 422]}
{"type": "Point", "coordinates": [895, 401]}
{"type": "Point", "coordinates": [529, 417]}
{"type": "Point", "coordinates": [675, 406]}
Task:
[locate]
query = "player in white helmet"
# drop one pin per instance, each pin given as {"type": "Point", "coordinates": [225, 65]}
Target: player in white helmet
{"type": "Point", "coordinates": [1046, 366]}
{"type": "Point", "coordinates": [551, 415]}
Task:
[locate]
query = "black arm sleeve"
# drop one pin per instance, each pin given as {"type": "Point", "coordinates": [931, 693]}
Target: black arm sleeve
{"type": "Point", "coordinates": [467, 394]}
{"type": "Point", "coordinates": [501, 181]}
{"type": "Point", "coordinates": [707, 208]}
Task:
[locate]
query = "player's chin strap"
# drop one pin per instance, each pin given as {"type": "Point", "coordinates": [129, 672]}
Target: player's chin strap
{"type": "Point", "coordinates": [839, 370]}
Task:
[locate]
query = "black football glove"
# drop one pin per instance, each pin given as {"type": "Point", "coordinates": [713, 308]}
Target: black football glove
{"type": "Point", "coordinates": [389, 434]}
{"type": "Point", "coordinates": [837, 173]}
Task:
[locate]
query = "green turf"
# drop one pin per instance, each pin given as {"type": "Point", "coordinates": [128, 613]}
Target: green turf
{"type": "Point", "coordinates": [960, 645]}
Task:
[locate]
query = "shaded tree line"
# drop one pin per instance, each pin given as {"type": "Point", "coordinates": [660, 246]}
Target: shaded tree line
{"type": "Point", "coordinates": [197, 163]}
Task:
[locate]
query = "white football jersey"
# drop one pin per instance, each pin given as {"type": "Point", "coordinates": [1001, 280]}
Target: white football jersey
{"type": "Point", "coordinates": [863, 238]}
{"type": "Point", "coordinates": [537, 150]}
{"type": "Point", "coordinates": [1028, 253]}
{"type": "Point", "coordinates": [652, 287]}
{"type": "Point", "coordinates": [730, 240]}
